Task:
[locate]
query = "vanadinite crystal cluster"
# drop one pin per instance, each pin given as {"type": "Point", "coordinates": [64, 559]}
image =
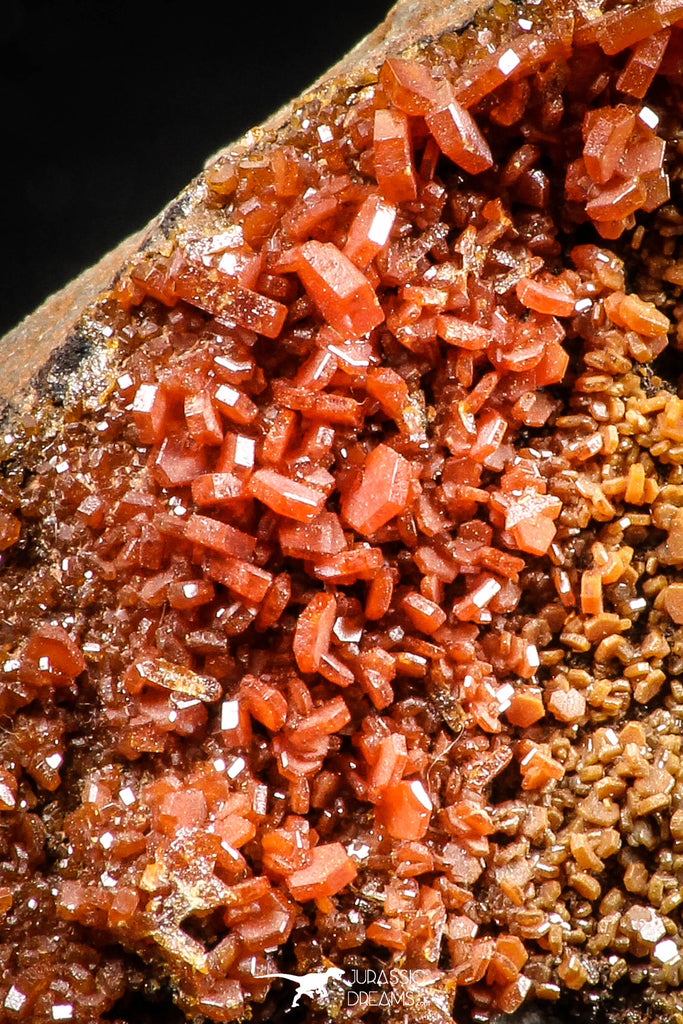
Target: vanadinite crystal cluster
{"type": "Point", "coordinates": [343, 627]}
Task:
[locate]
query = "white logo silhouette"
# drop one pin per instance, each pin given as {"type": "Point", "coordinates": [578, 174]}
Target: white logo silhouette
{"type": "Point", "coordinates": [311, 984]}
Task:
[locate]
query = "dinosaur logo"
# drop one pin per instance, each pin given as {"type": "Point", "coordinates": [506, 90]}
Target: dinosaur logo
{"type": "Point", "coordinates": [311, 984]}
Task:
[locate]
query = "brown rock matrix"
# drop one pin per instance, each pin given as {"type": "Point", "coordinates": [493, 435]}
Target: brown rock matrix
{"type": "Point", "coordinates": [340, 601]}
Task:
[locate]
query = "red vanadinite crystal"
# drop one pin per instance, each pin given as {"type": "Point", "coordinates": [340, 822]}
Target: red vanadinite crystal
{"type": "Point", "coordinates": [394, 156]}
{"type": "Point", "coordinates": [383, 491]}
{"type": "Point", "coordinates": [330, 869]}
{"type": "Point", "coordinates": [314, 631]}
{"type": "Point", "coordinates": [606, 133]}
{"type": "Point", "coordinates": [341, 292]}
{"type": "Point", "coordinates": [642, 65]}
{"type": "Point", "coordinates": [287, 497]}
{"type": "Point", "coordinates": [456, 132]}
{"type": "Point", "coordinates": [409, 85]}
{"type": "Point", "coordinates": [370, 230]}
{"type": "Point", "coordinates": [405, 810]}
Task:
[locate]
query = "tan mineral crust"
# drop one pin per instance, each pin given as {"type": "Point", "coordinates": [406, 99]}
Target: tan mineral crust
{"type": "Point", "coordinates": [341, 536]}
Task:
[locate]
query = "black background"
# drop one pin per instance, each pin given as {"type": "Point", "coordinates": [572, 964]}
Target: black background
{"type": "Point", "coordinates": [108, 109]}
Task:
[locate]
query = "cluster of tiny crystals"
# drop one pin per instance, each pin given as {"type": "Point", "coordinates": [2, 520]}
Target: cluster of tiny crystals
{"type": "Point", "coordinates": [345, 629]}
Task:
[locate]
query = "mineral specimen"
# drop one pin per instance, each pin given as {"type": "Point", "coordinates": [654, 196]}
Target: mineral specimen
{"type": "Point", "coordinates": [340, 602]}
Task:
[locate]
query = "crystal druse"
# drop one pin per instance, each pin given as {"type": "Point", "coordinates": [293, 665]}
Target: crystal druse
{"type": "Point", "coordinates": [341, 625]}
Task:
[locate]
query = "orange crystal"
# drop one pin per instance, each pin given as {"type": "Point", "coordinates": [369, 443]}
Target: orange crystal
{"type": "Point", "coordinates": [313, 632]}
{"type": "Point", "coordinates": [606, 132]}
{"type": "Point", "coordinates": [642, 65]}
{"type": "Point", "coordinates": [341, 292]}
{"type": "Point", "coordinates": [405, 810]}
{"type": "Point", "coordinates": [329, 870]}
{"type": "Point", "coordinates": [288, 497]}
{"type": "Point", "coordinates": [456, 132]}
{"type": "Point", "coordinates": [394, 156]}
{"type": "Point", "coordinates": [383, 491]}
{"type": "Point", "coordinates": [409, 85]}
{"type": "Point", "coordinates": [370, 230]}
